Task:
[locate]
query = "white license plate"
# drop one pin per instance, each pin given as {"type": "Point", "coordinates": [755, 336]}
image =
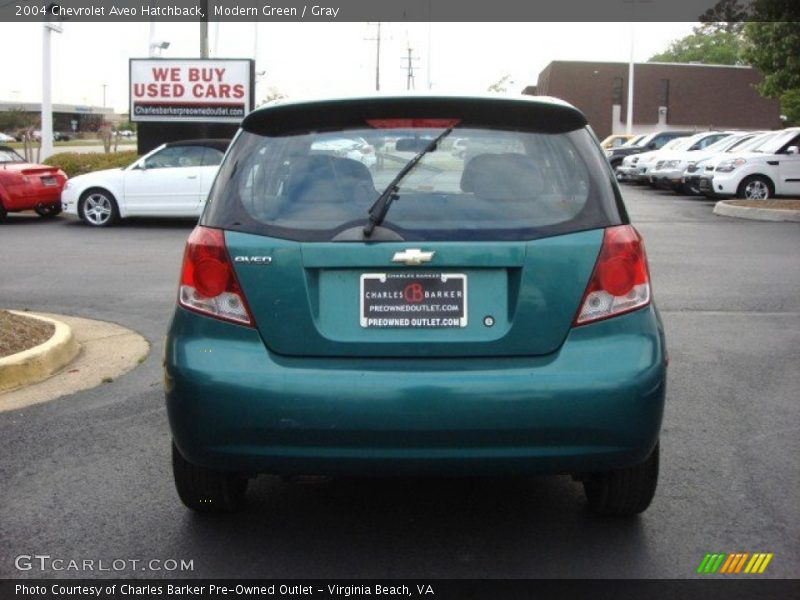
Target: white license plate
{"type": "Point", "coordinates": [405, 300]}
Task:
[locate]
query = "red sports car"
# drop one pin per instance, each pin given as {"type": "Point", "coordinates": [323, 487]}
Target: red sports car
{"type": "Point", "coordinates": [28, 186]}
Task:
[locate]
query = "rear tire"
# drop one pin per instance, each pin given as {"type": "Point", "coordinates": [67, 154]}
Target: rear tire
{"type": "Point", "coordinates": [207, 490]}
{"type": "Point", "coordinates": [756, 187]}
{"type": "Point", "coordinates": [3, 212]}
{"type": "Point", "coordinates": [49, 211]}
{"type": "Point", "coordinates": [623, 492]}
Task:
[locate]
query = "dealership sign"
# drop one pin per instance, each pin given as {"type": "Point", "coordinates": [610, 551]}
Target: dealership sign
{"type": "Point", "coordinates": [214, 90]}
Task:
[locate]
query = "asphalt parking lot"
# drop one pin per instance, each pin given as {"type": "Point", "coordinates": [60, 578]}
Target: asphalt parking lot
{"type": "Point", "coordinates": [88, 476]}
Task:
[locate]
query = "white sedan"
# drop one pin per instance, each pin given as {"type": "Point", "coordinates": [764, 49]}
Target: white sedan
{"type": "Point", "coordinates": [171, 181]}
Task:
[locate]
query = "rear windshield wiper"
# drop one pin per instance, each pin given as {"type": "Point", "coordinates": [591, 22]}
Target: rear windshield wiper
{"type": "Point", "coordinates": [377, 212]}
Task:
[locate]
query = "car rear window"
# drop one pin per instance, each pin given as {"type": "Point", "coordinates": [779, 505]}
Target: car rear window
{"type": "Point", "coordinates": [493, 184]}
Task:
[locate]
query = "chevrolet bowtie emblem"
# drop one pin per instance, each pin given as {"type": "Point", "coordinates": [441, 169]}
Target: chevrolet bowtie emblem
{"type": "Point", "coordinates": [412, 256]}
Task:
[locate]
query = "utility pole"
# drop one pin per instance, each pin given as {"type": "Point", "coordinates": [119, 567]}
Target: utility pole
{"type": "Point", "coordinates": [105, 85]}
{"type": "Point", "coordinates": [410, 67]}
{"type": "Point", "coordinates": [428, 65]}
{"type": "Point", "coordinates": [377, 40]}
{"type": "Point", "coordinates": [204, 29]}
{"type": "Point", "coordinates": [46, 130]}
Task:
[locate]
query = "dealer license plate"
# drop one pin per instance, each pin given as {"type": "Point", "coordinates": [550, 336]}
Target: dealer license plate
{"type": "Point", "coordinates": [413, 300]}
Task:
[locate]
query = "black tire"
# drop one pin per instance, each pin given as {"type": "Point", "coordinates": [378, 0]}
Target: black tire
{"type": "Point", "coordinates": [98, 208]}
{"type": "Point", "coordinates": [3, 212]}
{"type": "Point", "coordinates": [206, 490]}
{"type": "Point", "coordinates": [692, 189]}
{"type": "Point", "coordinates": [623, 492]}
{"type": "Point", "coordinates": [49, 211]}
{"type": "Point", "coordinates": [756, 187]}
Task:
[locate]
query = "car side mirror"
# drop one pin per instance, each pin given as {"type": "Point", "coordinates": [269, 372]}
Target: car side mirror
{"type": "Point", "coordinates": [651, 146]}
{"type": "Point", "coordinates": [793, 150]}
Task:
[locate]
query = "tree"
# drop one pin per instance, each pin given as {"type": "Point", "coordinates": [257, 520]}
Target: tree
{"type": "Point", "coordinates": [16, 118]}
{"type": "Point", "coordinates": [717, 41]}
{"type": "Point", "coordinates": [501, 85]}
{"type": "Point", "coordinates": [725, 15]}
{"type": "Point", "coordinates": [772, 45]}
{"type": "Point", "coordinates": [126, 126]}
{"type": "Point", "coordinates": [712, 47]}
{"type": "Point", "coordinates": [273, 94]}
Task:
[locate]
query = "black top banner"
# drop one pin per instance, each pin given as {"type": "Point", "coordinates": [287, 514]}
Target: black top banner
{"type": "Point", "coordinates": [364, 10]}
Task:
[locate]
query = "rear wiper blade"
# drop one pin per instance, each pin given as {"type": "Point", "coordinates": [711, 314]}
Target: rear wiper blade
{"type": "Point", "coordinates": [377, 212]}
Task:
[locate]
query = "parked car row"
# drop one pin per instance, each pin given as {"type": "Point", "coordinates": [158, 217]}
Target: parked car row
{"type": "Point", "coordinates": [753, 165]}
{"type": "Point", "coordinates": [174, 179]}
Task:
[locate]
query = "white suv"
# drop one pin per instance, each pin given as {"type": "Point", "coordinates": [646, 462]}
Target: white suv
{"type": "Point", "coordinates": [773, 169]}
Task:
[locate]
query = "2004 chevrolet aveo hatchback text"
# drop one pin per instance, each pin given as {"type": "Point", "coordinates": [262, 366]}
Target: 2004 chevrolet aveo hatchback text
{"type": "Point", "coordinates": [422, 313]}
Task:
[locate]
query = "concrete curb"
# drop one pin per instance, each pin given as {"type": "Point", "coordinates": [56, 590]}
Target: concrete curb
{"type": "Point", "coordinates": [726, 208]}
{"type": "Point", "coordinates": [107, 351]}
{"type": "Point", "coordinates": [39, 362]}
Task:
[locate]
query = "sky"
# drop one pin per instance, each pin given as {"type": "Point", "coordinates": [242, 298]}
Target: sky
{"type": "Point", "coordinates": [318, 59]}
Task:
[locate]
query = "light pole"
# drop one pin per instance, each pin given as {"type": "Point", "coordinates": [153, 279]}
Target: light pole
{"type": "Point", "coordinates": [633, 3]}
{"type": "Point", "coordinates": [105, 85]}
{"type": "Point", "coordinates": [46, 131]}
{"type": "Point", "coordinates": [151, 45]}
{"type": "Point", "coordinates": [378, 59]}
{"type": "Point", "coordinates": [629, 123]}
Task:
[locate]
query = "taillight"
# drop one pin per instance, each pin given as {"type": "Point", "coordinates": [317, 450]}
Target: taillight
{"type": "Point", "coordinates": [620, 281]}
{"type": "Point", "coordinates": [208, 282]}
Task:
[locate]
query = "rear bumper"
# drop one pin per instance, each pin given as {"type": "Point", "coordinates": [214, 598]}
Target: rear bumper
{"type": "Point", "coordinates": [595, 404]}
{"type": "Point", "coordinates": [28, 197]}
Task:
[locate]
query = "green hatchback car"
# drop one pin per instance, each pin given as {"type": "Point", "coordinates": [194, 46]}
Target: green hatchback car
{"type": "Point", "coordinates": [372, 304]}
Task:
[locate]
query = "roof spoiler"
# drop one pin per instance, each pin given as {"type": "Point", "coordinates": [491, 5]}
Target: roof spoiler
{"type": "Point", "coordinates": [524, 114]}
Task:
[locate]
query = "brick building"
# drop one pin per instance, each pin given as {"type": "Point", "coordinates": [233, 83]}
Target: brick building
{"type": "Point", "coordinates": [666, 95]}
